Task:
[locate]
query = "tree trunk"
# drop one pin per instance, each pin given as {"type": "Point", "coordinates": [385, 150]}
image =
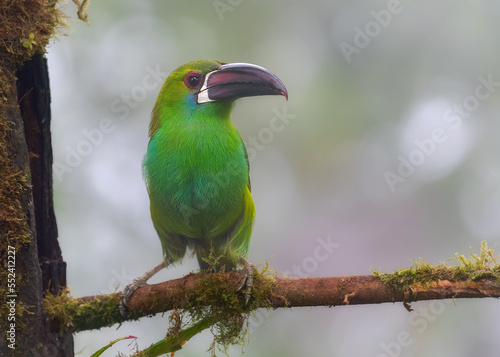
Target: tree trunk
{"type": "Point", "coordinates": [38, 263]}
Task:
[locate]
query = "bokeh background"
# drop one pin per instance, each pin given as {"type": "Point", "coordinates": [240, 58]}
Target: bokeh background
{"type": "Point", "coordinates": [391, 152]}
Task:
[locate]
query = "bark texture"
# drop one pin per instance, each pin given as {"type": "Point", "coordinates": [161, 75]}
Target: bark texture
{"type": "Point", "coordinates": [94, 312]}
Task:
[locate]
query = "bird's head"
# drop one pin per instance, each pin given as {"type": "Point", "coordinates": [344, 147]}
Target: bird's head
{"type": "Point", "coordinates": [210, 87]}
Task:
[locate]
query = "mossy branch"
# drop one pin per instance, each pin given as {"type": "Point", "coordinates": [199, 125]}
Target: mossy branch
{"type": "Point", "coordinates": [475, 277]}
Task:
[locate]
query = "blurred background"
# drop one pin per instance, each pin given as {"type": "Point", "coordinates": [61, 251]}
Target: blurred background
{"type": "Point", "coordinates": [387, 150]}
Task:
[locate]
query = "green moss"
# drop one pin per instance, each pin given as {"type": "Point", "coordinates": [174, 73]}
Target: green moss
{"type": "Point", "coordinates": [472, 268]}
{"type": "Point", "coordinates": [218, 302]}
{"type": "Point", "coordinates": [32, 22]}
{"type": "Point", "coordinates": [72, 314]}
{"type": "Point", "coordinates": [26, 27]}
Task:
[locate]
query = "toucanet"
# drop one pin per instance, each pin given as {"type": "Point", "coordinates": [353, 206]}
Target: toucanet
{"type": "Point", "coordinates": [196, 166]}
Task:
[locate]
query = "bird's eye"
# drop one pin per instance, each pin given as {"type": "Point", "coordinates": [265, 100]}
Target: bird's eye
{"type": "Point", "coordinates": [192, 80]}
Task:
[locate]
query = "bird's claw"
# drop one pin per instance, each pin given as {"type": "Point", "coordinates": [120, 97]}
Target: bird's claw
{"type": "Point", "coordinates": [127, 293]}
{"type": "Point", "coordinates": [134, 285]}
{"type": "Point", "coordinates": [246, 283]}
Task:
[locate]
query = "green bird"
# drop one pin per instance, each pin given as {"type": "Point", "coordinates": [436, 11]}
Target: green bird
{"type": "Point", "coordinates": [196, 166]}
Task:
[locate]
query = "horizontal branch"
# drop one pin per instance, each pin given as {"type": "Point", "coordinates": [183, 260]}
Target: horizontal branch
{"type": "Point", "coordinates": [309, 292]}
{"type": "Point", "coordinates": [93, 312]}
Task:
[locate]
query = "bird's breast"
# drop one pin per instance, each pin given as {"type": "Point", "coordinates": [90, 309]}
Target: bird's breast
{"type": "Point", "coordinates": [197, 180]}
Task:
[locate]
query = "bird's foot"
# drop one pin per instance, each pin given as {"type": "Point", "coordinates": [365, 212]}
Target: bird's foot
{"type": "Point", "coordinates": [127, 293]}
{"type": "Point", "coordinates": [133, 286]}
{"type": "Point", "coordinates": [246, 284]}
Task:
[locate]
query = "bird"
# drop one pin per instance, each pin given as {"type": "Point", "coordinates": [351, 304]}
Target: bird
{"type": "Point", "coordinates": [196, 167]}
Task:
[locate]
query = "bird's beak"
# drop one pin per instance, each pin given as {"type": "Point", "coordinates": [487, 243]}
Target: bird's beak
{"type": "Point", "coordinates": [236, 80]}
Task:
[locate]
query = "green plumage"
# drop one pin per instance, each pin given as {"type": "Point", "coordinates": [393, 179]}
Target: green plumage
{"type": "Point", "coordinates": [196, 167]}
{"type": "Point", "coordinates": [197, 174]}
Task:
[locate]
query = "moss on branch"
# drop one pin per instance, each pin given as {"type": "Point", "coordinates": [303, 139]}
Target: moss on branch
{"type": "Point", "coordinates": [212, 300]}
{"type": "Point", "coordinates": [469, 269]}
